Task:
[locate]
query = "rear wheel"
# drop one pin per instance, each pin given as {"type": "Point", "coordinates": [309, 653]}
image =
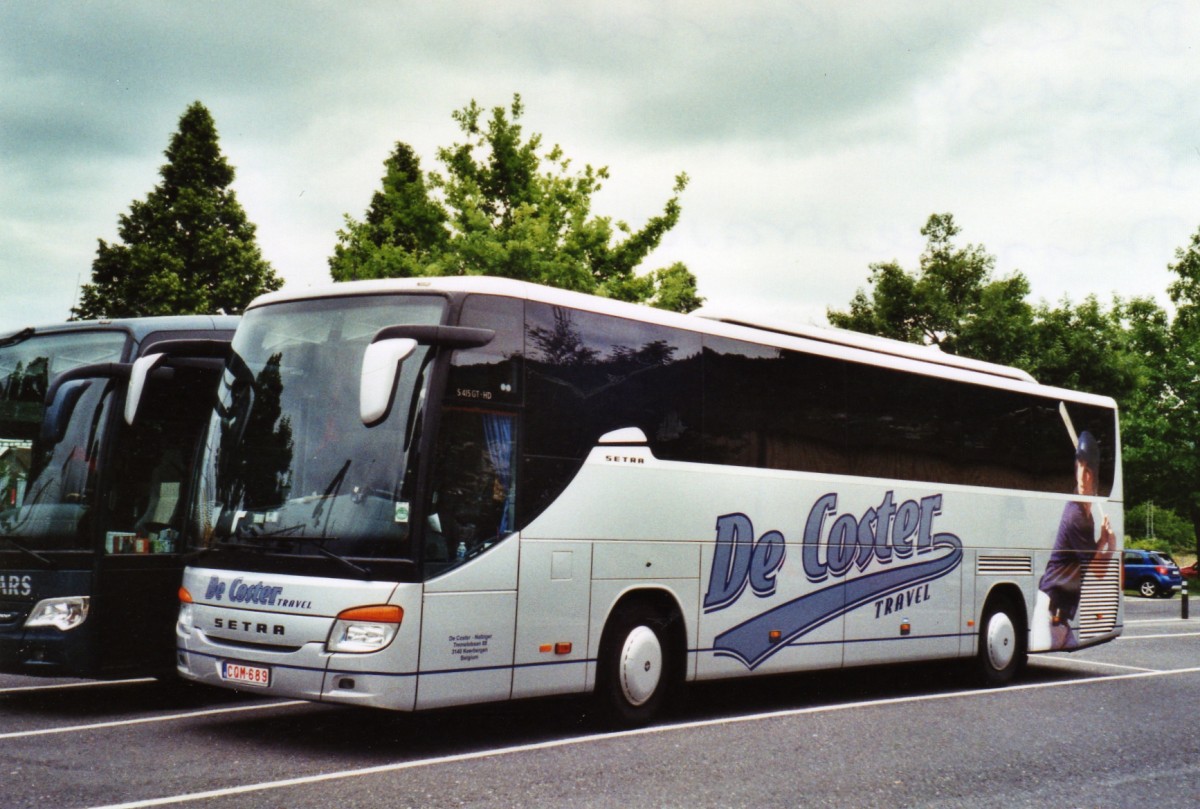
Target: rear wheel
{"type": "Point", "coordinates": [637, 666]}
{"type": "Point", "coordinates": [1002, 636]}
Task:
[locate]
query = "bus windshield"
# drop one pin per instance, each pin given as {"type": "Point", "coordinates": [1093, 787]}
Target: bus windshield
{"type": "Point", "coordinates": [289, 466]}
{"type": "Point", "coordinates": [48, 476]}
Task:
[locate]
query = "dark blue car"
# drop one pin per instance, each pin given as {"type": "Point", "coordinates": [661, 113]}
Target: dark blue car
{"type": "Point", "coordinates": [1151, 573]}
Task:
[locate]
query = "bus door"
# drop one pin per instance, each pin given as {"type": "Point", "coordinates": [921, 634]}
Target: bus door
{"type": "Point", "coordinates": [471, 552]}
{"type": "Point", "coordinates": [139, 563]}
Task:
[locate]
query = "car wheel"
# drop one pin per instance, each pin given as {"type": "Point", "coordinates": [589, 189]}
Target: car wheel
{"type": "Point", "coordinates": [1002, 637]}
{"type": "Point", "coordinates": [637, 668]}
{"type": "Point", "coordinates": [1148, 588]}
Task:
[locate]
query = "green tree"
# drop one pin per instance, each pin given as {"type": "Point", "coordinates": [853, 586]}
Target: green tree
{"type": "Point", "coordinates": [952, 301]}
{"type": "Point", "coordinates": [188, 247]}
{"type": "Point", "coordinates": [501, 205]}
{"type": "Point", "coordinates": [1129, 350]}
{"type": "Point", "coordinates": [1167, 415]}
{"type": "Point", "coordinates": [404, 233]}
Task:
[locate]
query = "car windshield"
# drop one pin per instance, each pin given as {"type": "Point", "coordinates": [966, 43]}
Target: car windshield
{"type": "Point", "coordinates": [48, 476]}
{"type": "Point", "coordinates": [289, 467]}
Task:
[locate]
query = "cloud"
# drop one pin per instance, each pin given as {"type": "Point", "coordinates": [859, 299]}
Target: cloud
{"type": "Point", "coordinates": [819, 136]}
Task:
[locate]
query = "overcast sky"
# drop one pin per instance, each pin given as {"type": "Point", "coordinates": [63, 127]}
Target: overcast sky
{"type": "Point", "coordinates": [819, 137]}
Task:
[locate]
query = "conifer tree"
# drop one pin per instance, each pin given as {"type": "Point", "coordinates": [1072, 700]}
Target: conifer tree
{"type": "Point", "coordinates": [188, 248]}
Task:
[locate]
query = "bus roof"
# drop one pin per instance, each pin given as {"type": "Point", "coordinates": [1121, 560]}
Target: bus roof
{"type": "Point", "coordinates": [137, 327]}
{"type": "Point", "coordinates": [823, 339]}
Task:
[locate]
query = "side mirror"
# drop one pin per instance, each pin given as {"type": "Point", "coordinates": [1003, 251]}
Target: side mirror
{"type": "Point", "coordinates": [58, 413]}
{"type": "Point", "coordinates": [142, 367]}
{"type": "Point", "coordinates": [380, 370]}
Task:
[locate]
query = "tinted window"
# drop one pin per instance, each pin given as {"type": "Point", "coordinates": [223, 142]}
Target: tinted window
{"type": "Point", "coordinates": [491, 374]}
{"type": "Point", "coordinates": [769, 408]}
{"type": "Point", "coordinates": [597, 373]}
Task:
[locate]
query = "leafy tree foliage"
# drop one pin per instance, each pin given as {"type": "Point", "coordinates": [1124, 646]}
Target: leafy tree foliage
{"type": "Point", "coordinates": [952, 301]}
{"type": "Point", "coordinates": [501, 205]}
{"type": "Point", "coordinates": [1166, 414]}
{"type": "Point", "coordinates": [955, 302]}
{"type": "Point", "coordinates": [188, 248]}
{"type": "Point", "coordinates": [1159, 528]}
{"type": "Point", "coordinates": [1130, 350]}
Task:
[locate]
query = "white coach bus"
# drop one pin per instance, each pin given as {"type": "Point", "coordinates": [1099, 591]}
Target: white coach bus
{"type": "Point", "coordinates": [423, 493]}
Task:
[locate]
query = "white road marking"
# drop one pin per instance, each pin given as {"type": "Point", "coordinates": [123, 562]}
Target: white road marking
{"type": "Point", "coordinates": [1163, 635]}
{"type": "Point", "coordinates": [64, 686]}
{"type": "Point", "coordinates": [21, 734]}
{"type": "Point", "coordinates": [1085, 663]}
{"type": "Point", "coordinates": [608, 737]}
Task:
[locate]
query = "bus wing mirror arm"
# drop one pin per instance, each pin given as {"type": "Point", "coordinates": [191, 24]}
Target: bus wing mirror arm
{"type": "Point", "coordinates": [142, 367]}
{"type": "Point", "coordinates": [202, 348]}
{"type": "Point", "coordinates": [380, 370]}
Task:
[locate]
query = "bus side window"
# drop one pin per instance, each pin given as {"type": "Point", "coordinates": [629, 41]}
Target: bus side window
{"type": "Point", "coordinates": [473, 496]}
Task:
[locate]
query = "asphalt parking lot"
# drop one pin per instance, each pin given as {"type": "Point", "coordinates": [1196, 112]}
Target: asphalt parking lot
{"type": "Point", "coordinates": [1108, 726]}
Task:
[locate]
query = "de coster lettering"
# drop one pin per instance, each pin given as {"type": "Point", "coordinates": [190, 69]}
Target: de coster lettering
{"type": "Point", "coordinates": [898, 536]}
{"type": "Point", "coordinates": [240, 592]}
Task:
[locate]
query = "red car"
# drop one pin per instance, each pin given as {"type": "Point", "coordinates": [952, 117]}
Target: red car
{"type": "Point", "coordinates": [1189, 572]}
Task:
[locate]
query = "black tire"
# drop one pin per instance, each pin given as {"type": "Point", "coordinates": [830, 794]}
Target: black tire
{"type": "Point", "coordinates": [638, 665]}
{"type": "Point", "coordinates": [1148, 588]}
{"type": "Point", "coordinates": [1003, 647]}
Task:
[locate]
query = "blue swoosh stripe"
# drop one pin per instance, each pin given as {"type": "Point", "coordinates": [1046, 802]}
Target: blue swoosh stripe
{"type": "Point", "coordinates": [749, 642]}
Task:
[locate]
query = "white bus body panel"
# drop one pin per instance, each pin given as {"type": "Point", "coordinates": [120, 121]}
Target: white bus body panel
{"type": "Point", "coordinates": [467, 629]}
{"type": "Point", "coordinates": [282, 622]}
{"type": "Point", "coordinates": [552, 624]}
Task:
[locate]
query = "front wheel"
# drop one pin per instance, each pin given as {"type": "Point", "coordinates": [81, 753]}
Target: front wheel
{"type": "Point", "coordinates": [1002, 650]}
{"type": "Point", "coordinates": [636, 666]}
{"type": "Point", "coordinates": [1148, 588]}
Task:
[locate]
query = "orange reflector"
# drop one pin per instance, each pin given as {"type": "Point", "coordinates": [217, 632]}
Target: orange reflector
{"type": "Point", "coordinates": [184, 596]}
{"type": "Point", "coordinates": [380, 614]}
{"type": "Point", "coordinates": [546, 647]}
{"type": "Point", "coordinates": [774, 636]}
{"type": "Point", "coordinates": [905, 628]}
{"type": "Point", "coordinates": [970, 623]}
{"type": "Point", "coordinates": [562, 648]}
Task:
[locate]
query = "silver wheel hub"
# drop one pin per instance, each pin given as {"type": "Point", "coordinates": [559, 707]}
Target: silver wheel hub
{"type": "Point", "coordinates": [1001, 641]}
{"type": "Point", "coordinates": [641, 665]}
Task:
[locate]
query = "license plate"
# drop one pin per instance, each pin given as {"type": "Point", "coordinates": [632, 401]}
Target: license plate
{"type": "Point", "coordinates": [245, 674]}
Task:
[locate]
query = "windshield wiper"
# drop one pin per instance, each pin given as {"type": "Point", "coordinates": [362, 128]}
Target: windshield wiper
{"type": "Point", "coordinates": [220, 545]}
{"type": "Point", "coordinates": [319, 544]}
{"type": "Point", "coordinates": [332, 489]}
{"type": "Point", "coordinates": [32, 553]}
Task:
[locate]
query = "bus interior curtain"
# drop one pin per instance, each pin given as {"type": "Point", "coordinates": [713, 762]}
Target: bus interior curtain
{"type": "Point", "coordinates": [498, 432]}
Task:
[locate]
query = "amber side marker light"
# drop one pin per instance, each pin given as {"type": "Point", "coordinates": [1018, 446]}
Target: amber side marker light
{"type": "Point", "coordinates": [774, 636]}
{"type": "Point", "coordinates": [184, 596]}
{"type": "Point", "coordinates": [382, 614]}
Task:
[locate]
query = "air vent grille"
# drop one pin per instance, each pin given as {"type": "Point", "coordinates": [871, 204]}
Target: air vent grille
{"type": "Point", "coordinates": [1004, 565]}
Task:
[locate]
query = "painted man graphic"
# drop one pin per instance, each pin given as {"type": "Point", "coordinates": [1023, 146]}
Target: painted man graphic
{"type": "Point", "coordinates": [1075, 549]}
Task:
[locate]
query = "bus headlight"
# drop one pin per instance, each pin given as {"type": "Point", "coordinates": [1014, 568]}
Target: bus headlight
{"type": "Point", "coordinates": [365, 629]}
{"type": "Point", "coordinates": [61, 613]}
